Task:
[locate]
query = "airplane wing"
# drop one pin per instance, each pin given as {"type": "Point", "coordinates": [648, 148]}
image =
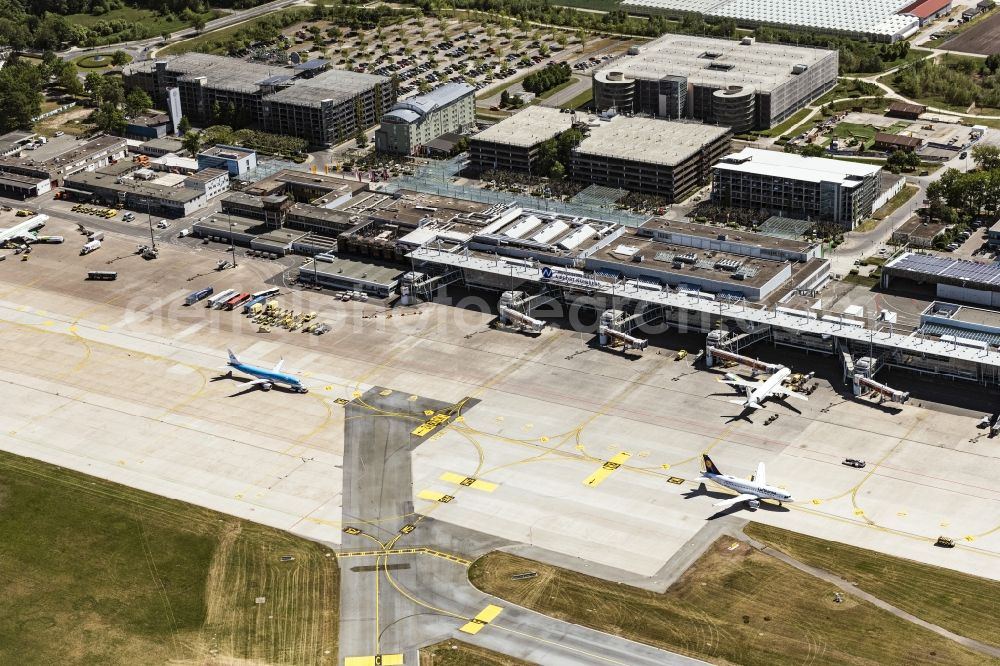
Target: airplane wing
{"type": "Point", "coordinates": [785, 393]}
{"type": "Point", "coordinates": [733, 380]}
{"type": "Point", "coordinates": [258, 382]}
{"type": "Point", "coordinates": [759, 476]}
{"type": "Point", "coordinates": [277, 368]}
{"type": "Point", "coordinates": [725, 504]}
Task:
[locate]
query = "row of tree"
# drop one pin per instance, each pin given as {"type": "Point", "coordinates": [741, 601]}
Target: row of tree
{"type": "Point", "coordinates": [961, 196]}
{"type": "Point", "coordinates": [547, 78]}
{"type": "Point", "coordinates": [958, 82]}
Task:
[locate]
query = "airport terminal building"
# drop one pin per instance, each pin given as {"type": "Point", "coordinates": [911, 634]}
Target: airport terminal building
{"type": "Point", "coordinates": [742, 84]}
{"type": "Point", "coordinates": [324, 109]}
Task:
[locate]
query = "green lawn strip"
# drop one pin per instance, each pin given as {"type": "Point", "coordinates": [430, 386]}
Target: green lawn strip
{"type": "Point", "coordinates": [95, 572]}
{"type": "Point", "coordinates": [965, 604]}
{"type": "Point", "coordinates": [733, 606]}
{"type": "Point", "coordinates": [786, 124]}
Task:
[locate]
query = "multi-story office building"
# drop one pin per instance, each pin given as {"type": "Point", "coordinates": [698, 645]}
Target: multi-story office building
{"type": "Point", "coordinates": [662, 157]}
{"type": "Point", "coordinates": [324, 109]}
{"type": "Point", "coordinates": [414, 122]}
{"type": "Point", "coordinates": [740, 84]}
{"type": "Point", "coordinates": [792, 185]}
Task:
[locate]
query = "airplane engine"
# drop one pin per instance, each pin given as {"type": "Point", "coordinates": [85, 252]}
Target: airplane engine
{"type": "Point", "coordinates": [265, 387]}
{"type": "Point", "coordinates": [303, 389]}
{"type": "Point", "coordinates": [753, 504]}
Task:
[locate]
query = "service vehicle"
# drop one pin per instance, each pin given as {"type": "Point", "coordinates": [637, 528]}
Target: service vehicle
{"type": "Point", "coordinates": [102, 275]}
{"type": "Point", "coordinates": [89, 247]}
{"type": "Point", "coordinates": [196, 296]}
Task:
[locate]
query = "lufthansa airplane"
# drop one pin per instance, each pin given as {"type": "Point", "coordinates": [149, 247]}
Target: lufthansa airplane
{"type": "Point", "coordinates": [265, 379]}
{"type": "Point", "coordinates": [751, 492]}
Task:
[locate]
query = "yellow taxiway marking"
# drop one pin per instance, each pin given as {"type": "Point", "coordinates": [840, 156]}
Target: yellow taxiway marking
{"type": "Point", "coordinates": [476, 624]}
{"type": "Point", "coordinates": [375, 660]}
{"type": "Point", "coordinates": [412, 398]}
{"type": "Point", "coordinates": [468, 482]}
{"type": "Point", "coordinates": [435, 496]}
{"type": "Point", "coordinates": [430, 424]}
{"type": "Point", "coordinates": [605, 471]}
{"type": "Point", "coordinates": [405, 551]}
{"type": "Point", "coordinates": [385, 392]}
{"type": "Point", "coordinates": [356, 394]}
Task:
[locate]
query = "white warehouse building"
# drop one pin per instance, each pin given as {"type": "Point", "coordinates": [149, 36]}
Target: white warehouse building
{"type": "Point", "coordinates": [883, 20]}
{"type": "Point", "coordinates": [414, 122]}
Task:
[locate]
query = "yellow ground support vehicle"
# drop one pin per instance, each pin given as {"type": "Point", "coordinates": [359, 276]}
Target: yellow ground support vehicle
{"type": "Point", "coordinates": [681, 355]}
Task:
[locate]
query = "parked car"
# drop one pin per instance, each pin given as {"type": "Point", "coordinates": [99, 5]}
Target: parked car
{"type": "Point", "coordinates": [854, 462]}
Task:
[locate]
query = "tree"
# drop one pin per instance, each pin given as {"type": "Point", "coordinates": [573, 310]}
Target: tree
{"type": "Point", "coordinates": [192, 142]}
{"type": "Point", "coordinates": [69, 79]}
{"type": "Point", "coordinates": [119, 58]}
{"type": "Point", "coordinates": [505, 98]}
{"type": "Point", "coordinates": [20, 99]}
{"type": "Point", "coordinates": [184, 126]}
{"type": "Point", "coordinates": [360, 138]}
{"type": "Point", "coordinates": [198, 22]}
{"type": "Point", "coordinates": [987, 156]}
{"type": "Point", "coordinates": [812, 150]}
{"type": "Point", "coordinates": [137, 103]}
{"type": "Point", "coordinates": [557, 171]}
{"type": "Point", "coordinates": [993, 62]}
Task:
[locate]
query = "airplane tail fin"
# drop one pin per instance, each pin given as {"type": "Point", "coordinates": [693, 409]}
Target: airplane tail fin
{"type": "Point", "coordinates": [710, 467]}
{"type": "Point", "coordinates": [232, 357]}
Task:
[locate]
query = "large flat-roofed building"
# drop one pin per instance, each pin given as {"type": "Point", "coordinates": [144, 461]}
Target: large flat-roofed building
{"type": "Point", "coordinates": [22, 187]}
{"type": "Point", "coordinates": [513, 143]}
{"type": "Point", "coordinates": [954, 279]}
{"type": "Point", "coordinates": [883, 20]}
{"type": "Point", "coordinates": [739, 84]}
{"type": "Point", "coordinates": [138, 195]}
{"type": "Point", "coordinates": [414, 122]}
{"type": "Point", "coordinates": [324, 109]}
{"type": "Point", "coordinates": [661, 157]}
{"type": "Point", "coordinates": [792, 185]}
{"type": "Point", "coordinates": [65, 156]}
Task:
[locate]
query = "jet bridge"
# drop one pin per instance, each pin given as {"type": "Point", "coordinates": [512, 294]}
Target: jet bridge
{"type": "Point", "coordinates": [510, 309]}
{"type": "Point", "coordinates": [615, 325]}
{"type": "Point", "coordinates": [713, 354]}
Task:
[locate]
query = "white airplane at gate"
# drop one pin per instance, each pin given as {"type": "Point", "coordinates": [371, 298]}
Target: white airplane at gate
{"type": "Point", "coordinates": [751, 492]}
{"type": "Point", "coordinates": [758, 392]}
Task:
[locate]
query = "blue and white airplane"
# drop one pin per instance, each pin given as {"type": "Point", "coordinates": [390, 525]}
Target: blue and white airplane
{"type": "Point", "coordinates": [265, 379]}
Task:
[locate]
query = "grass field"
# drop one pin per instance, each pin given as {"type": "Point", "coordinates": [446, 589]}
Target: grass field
{"type": "Point", "coordinates": [846, 88]}
{"type": "Point", "coordinates": [583, 98]}
{"type": "Point", "coordinates": [96, 573]}
{"type": "Point", "coordinates": [562, 86]}
{"type": "Point", "coordinates": [894, 203]}
{"type": "Point", "coordinates": [789, 123]}
{"type": "Point", "coordinates": [146, 17]}
{"type": "Point", "coordinates": [457, 653]}
{"type": "Point", "coordinates": [965, 604]}
{"type": "Point", "coordinates": [213, 41]}
{"type": "Point", "coordinates": [734, 606]}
